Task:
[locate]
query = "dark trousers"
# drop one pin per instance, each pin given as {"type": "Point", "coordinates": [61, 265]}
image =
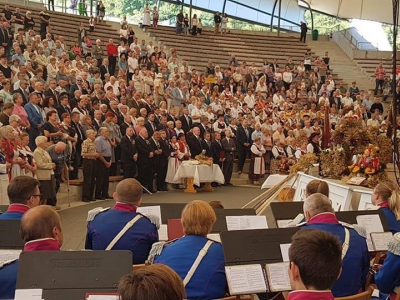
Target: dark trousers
{"type": "Point", "coordinates": [128, 170]}
{"type": "Point", "coordinates": [51, 2]}
{"type": "Point", "coordinates": [379, 85]}
{"type": "Point", "coordinates": [145, 175]}
{"type": "Point", "coordinates": [161, 174]}
{"type": "Point", "coordinates": [76, 162]}
{"type": "Point", "coordinates": [112, 63]}
{"type": "Point", "coordinates": [102, 178]}
{"type": "Point", "coordinates": [89, 178]}
{"type": "Point", "coordinates": [303, 36]}
{"type": "Point", "coordinates": [243, 152]}
{"type": "Point", "coordinates": [228, 167]}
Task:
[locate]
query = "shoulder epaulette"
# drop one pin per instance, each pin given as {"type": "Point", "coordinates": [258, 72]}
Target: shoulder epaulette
{"type": "Point", "coordinates": [394, 244]}
{"type": "Point", "coordinates": [94, 212]}
{"type": "Point", "coordinates": [7, 262]}
{"type": "Point", "coordinates": [359, 229]}
{"type": "Point", "coordinates": [154, 219]}
{"type": "Point", "coordinates": [156, 249]}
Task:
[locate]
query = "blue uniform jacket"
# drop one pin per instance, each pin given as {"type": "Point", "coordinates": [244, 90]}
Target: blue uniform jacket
{"type": "Point", "coordinates": [355, 265]}
{"type": "Point", "coordinates": [8, 280]}
{"type": "Point", "coordinates": [209, 280]}
{"type": "Point", "coordinates": [14, 212]}
{"type": "Point", "coordinates": [106, 225]}
{"type": "Point", "coordinates": [394, 224]}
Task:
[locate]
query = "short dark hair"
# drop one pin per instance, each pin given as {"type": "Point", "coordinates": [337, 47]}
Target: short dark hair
{"type": "Point", "coordinates": [318, 255]}
{"type": "Point", "coordinates": [21, 188]}
{"type": "Point", "coordinates": [141, 284]}
{"type": "Point", "coordinates": [49, 114]}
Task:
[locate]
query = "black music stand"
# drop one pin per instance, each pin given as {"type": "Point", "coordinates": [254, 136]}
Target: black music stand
{"type": "Point", "coordinates": [168, 210]}
{"type": "Point", "coordinates": [286, 210]}
{"type": "Point", "coordinates": [350, 217]}
{"type": "Point", "coordinates": [9, 235]}
{"type": "Point", "coordinates": [67, 275]}
{"type": "Point", "coordinates": [220, 224]}
{"type": "Point", "coordinates": [259, 246]}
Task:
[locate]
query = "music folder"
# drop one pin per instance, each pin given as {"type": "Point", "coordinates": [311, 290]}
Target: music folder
{"type": "Point", "coordinates": [220, 224]}
{"type": "Point", "coordinates": [9, 235]}
{"type": "Point", "coordinates": [168, 210]}
{"type": "Point", "coordinates": [66, 275]}
{"type": "Point", "coordinates": [254, 260]}
{"type": "Point", "coordinates": [175, 229]}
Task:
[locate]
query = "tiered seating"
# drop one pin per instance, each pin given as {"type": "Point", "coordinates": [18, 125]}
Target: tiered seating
{"type": "Point", "coordinates": [368, 65]}
{"type": "Point", "coordinates": [247, 46]}
{"type": "Point", "coordinates": [67, 25]}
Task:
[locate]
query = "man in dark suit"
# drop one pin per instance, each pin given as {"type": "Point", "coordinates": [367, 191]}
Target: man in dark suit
{"type": "Point", "coordinates": [136, 102]}
{"type": "Point", "coordinates": [77, 86]}
{"type": "Point", "coordinates": [51, 92]}
{"type": "Point", "coordinates": [218, 153]}
{"type": "Point", "coordinates": [145, 153]}
{"type": "Point", "coordinates": [128, 154]}
{"type": "Point", "coordinates": [203, 125]}
{"type": "Point", "coordinates": [244, 143]}
{"type": "Point", "coordinates": [155, 160]}
{"type": "Point", "coordinates": [207, 145]}
{"type": "Point", "coordinates": [126, 124]}
{"type": "Point", "coordinates": [97, 121]}
{"type": "Point", "coordinates": [336, 99]}
{"type": "Point", "coordinates": [186, 120]}
{"type": "Point", "coordinates": [23, 84]}
{"type": "Point", "coordinates": [229, 146]}
{"type": "Point", "coordinates": [75, 116]}
{"type": "Point", "coordinates": [163, 166]}
{"type": "Point", "coordinates": [35, 119]}
{"type": "Point", "coordinates": [150, 125]}
{"type": "Point", "coordinates": [104, 69]}
{"type": "Point", "coordinates": [194, 142]}
{"type": "Point", "coordinates": [172, 116]}
{"type": "Point", "coordinates": [63, 107]}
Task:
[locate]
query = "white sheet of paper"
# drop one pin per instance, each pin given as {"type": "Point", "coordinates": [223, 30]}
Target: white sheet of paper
{"type": "Point", "coordinates": [371, 223]}
{"type": "Point", "coordinates": [285, 251]}
{"type": "Point", "coordinates": [282, 223]}
{"type": "Point", "coordinates": [150, 210]}
{"type": "Point", "coordinates": [246, 222]}
{"type": "Point", "coordinates": [214, 236]}
{"type": "Point", "coordinates": [381, 240]}
{"type": "Point", "coordinates": [28, 294]}
{"type": "Point", "coordinates": [103, 297]}
{"type": "Point", "coordinates": [375, 293]}
{"type": "Point", "coordinates": [245, 279]}
{"type": "Point", "coordinates": [278, 276]}
{"type": "Point", "coordinates": [6, 255]}
{"type": "Point", "coordinates": [163, 232]}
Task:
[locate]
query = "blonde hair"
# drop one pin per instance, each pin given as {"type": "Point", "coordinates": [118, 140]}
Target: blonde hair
{"type": "Point", "coordinates": [198, 218]}
{"type": "Point", "coordinates": [389, 192]}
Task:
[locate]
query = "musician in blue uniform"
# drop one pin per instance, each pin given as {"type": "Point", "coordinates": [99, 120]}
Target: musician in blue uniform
{"type": "Point", "coordinates": [319, 214]}
{"type": "Point", "coordinates": [386, 195]}
{"type": "Point", "coordinates": [387, 279]}
{"type": "Point", "coordinates": [183, 255]}
{"type": "Point", "coordinates": [108, 229]}
{"type": "Point", "coordinates": [49, 238]}
{"type": "Point", "coordinates": [23, 193]}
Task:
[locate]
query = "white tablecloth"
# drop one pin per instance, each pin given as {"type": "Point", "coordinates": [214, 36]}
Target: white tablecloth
{"type": "Point", "coordinates": [274, 179]}
{"type": "Point", "coordinates": [200, 173]}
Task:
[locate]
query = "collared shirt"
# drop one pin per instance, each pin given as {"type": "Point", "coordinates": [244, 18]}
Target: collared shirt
{"type": "Point", "coordinates": [88, 146]}
{"type": "Point", "coordinates": [103, 146]}
{"type": "Point", "coordinates": [310, 295]}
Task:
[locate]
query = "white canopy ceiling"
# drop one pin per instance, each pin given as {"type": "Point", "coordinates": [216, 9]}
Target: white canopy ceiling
{"type": "Point", "coordinates": [373, 10]}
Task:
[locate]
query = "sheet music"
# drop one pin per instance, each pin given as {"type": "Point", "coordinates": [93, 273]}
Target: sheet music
{"type": "Point", "coordinates": [371, 223]}
{"type": "Point", "coordinates": [245, 279]}
{"type": "Point", "coordinates": [285, 251]}
{"type": "Point", "coordinates": [278, 276]}
{"type": "Point", "coordinates": [381, 240]}
{"type": "Point", "coordinates": [214, 236]}
{"type": "Point", "coordinates": [28, 294]}
{"type": "Point", "coordinates": [103, 297]}
{"type": "Point", "coordinates": [163, 232]}
{"type": "Point", "coordinates": [150, 210]}
{"type": "Point", "coordinates": [283, 223]}
{"type": "Point", "coordinates": [6, 255]}
{"type": "Point", "coordinates": [246, 222]}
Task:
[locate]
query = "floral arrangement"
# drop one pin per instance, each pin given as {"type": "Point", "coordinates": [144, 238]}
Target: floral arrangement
{"type": "Point", "coordinates": [333, 162]}
{"type": "Point", "coordinates": [303, 163]}
{"type": "Point", "coordinates": [204, 160]}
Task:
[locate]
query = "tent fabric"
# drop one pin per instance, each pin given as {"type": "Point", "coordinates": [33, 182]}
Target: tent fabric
{"type": "Point", "coordinates": [373, 10]}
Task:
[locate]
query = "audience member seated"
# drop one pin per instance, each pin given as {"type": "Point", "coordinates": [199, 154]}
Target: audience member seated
{"type": "Point", "coordinates": [155, 282]}
{"type": "Point", "coordinates": [319, 214]}
{"type": "Point", "coordinates": [388, 277]}
{"type": "Point", "coordinates": [206, 280]}
{"type": "Point", "coordinates": [23, 193]}
{"type": "Point", "coordinates": [386, 196]}
{"type": "Point", "coordinates": [106, 229]}
{"type": "Point", "coordinates": [41, 231]}
{"type": "Point", "coordinates": [315, 264]}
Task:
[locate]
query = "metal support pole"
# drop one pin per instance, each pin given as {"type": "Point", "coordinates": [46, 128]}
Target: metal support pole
{"type": "Point", "coordinates": [190, 14]}
{"type": "Point", "coordinates": [279, 17]}
{"type": "Point", "coordinates": [223, 7]}
{"type": "Point", "coordinates": [272, 15]}
{"type": "Point", "coordinates": [312, 15]}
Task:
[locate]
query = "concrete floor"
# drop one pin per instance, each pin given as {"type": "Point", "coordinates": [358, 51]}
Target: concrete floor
{"type": "Point", "coordinates": [74, 217]}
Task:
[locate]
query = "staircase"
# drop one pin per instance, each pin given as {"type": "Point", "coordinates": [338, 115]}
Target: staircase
{"type": "Point", "coordinates": [341, 64]}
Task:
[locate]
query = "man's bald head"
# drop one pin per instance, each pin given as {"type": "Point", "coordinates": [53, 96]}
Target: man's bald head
{"type": "Point", "coordinates": [41, 222]}
{"type": "Point", "coordinates": [129, 191]}
{"type": "Point", "coordinates": [316, 204]}
{"type": "Point", "coordinates": [60, 147]}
